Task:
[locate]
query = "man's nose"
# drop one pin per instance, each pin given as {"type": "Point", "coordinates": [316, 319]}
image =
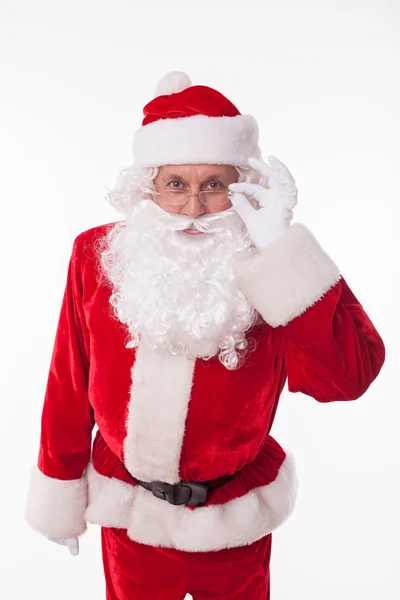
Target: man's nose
{"type": "Point", "coordinates": [193, 207]}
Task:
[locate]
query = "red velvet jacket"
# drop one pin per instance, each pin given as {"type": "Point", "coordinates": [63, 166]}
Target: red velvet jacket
{"type": "Point", "coordinates": [165, 417]}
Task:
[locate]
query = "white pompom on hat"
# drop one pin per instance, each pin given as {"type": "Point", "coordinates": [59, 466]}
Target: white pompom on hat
{"type": "Point", "coordinates": [193, 124]}
{"type": "Point", "coordinates": [172, 83]}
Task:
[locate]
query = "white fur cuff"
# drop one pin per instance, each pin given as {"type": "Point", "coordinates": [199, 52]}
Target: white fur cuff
{"type": "Point", "coordinates": [56, 508]}
{"type": "Point", "coordinates": [288, 276]}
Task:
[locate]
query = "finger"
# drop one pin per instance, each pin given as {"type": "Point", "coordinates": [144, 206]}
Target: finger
{"type": "Point", "coordinates": [253, 190]}
{"type": "Point", "coordinates": [242, 206]}
{"type": "Point", "coordinates": [268, 171]}
{"type": "Point", "coordinates": [261, 194]}
{"type": "Point", "coordinates": [281, 167]}
{"type": "Point", "coordinates": [291, 191]}
{"type": "Point", "coordinates": [244, 187]}
{"type": "Point", "coordinates": [73, 546]}
{"type": "Point", "coordinates": [58, 540]}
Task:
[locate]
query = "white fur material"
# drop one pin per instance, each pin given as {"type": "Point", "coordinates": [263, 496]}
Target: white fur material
{"type": "Point", "coordinates": [54, 507]}
{"type": "Point", "coordinates": [288, 276]}
{"type": "Point", "coordinates": [197, 139]}
{"type": "Point", "coordinates": [172, 82]}
{"type": "Point", "coordinates": [159, 398]}
{"type": "Point", "coordinates": [151, 520]}
{"type": "Point", "coordinates": [110, 499]}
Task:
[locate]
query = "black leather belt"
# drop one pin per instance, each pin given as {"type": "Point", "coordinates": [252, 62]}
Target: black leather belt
{"type": "Point", "coordinates": [185, 492]}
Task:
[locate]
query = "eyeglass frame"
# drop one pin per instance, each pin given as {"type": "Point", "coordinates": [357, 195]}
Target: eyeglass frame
{"type": "Point", "coordinates": [179, 192]}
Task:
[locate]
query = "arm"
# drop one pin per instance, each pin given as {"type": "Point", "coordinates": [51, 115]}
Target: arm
{"type": "Point", "coordinates": [332, 349]}
{"type": "Point", "coordinates": [57, 495]}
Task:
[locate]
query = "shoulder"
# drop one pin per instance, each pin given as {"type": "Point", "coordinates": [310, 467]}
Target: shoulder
{"type": "Point", "coordinates": [94, 233]}
{"type": "Point", "coordinates": [86, 250]}
{"type": "Point", "coordinates": [87, 242]}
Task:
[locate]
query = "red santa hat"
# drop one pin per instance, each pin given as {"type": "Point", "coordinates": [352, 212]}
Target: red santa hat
{"type": "Point", "coordinates": [193, 124]}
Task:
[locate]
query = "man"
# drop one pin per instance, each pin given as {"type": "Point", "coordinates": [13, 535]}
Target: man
{"type": "Point", "coordinates": [179, 326]}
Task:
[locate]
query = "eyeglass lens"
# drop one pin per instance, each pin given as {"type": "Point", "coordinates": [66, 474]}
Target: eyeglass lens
{"type": "Point", "coordinates": [178, 197]}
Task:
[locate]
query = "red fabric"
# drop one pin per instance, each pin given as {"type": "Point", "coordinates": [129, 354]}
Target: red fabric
{"type": "Point", "coordinates": [136, 571]}
{"type": "Point", "coordinates": [67, 416]}
{"type": "Point", "coordinates": [194, 100]}
{"type": "Point", "coordinates": [261, 471]}
{"type": "Point", "coordinates": [331, 352]}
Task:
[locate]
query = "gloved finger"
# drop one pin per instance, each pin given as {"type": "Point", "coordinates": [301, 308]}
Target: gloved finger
{"type": "Point", "coordinates": [242, 206]}
{"type": "Point", "coordinates": [289, 214]}
{"type": "Point", "coordinates": [250, 189]}
{"type": "Point", "coordinates": [290, 202]}
{"type": "Point", "coordinates": [280, 166]}
{"type": "Point", "coordinates": [273, 175]}
{"type": "Point", "coordinates": [59, 540]}
{"type": "Point", "coordinates": [292, 190]}
{"type": "Point", "coordinates": [73, 546]}
{"type": "Point", "coordinates": [290, 195]}
{"type": "Point", "coordinates": [261, 194]}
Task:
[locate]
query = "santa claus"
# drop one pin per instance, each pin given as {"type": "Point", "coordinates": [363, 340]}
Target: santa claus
{"type": "Point", "coordinates": [179, 327]}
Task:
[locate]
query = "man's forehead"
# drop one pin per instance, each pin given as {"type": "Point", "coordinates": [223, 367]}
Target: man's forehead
{"type": "Point", "coordinates": [200, 169]}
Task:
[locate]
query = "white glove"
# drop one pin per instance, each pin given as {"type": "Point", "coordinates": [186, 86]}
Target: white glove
{"type": "Point", "coordinates": [71, 543]}
{"type": "Point", "coordinates": [273, 218]}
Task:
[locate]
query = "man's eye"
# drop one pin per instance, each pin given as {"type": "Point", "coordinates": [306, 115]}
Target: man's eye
{"type": "Point", "coordinates": [215, 185]}
{"type": "Point", "coordinates": [172, 184]}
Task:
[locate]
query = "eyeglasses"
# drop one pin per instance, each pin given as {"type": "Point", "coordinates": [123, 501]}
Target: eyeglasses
{"type": "Point", "coordinates": [180, 197]}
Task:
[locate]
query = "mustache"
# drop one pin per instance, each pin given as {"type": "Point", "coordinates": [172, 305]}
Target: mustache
{"type": "Point", "coordinates": [163, 220]}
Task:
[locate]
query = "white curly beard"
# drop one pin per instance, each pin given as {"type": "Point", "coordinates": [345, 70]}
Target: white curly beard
{"type": "Point", "coordinates": [178, 291]}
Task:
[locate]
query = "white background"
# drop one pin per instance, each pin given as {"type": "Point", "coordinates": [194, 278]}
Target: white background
{"type": "Point", "coordinates": [322, 80]}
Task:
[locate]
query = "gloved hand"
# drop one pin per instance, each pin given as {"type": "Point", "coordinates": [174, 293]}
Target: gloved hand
{"type": "Point", "coordinates": [71, 543]}
{"type": "Point", "coordinates": [273, 218]}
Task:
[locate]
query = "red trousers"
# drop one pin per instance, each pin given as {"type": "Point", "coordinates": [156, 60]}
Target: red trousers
{"type": "Point", "coordinates": [135, 571]}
